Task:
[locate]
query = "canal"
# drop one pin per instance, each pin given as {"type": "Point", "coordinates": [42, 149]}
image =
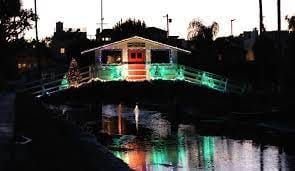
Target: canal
{"type": "Point", "coordinates": [145, 139]}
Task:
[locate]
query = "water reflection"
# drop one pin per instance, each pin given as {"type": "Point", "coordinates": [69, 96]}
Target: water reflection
{"type": "Point", "coordinates": [136, 114]}
{"type": "Point", "coordinates": [157, 148]}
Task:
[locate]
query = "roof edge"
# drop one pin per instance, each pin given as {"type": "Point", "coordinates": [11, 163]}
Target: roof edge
{"type": "Point", "coordinates": [138, 37]}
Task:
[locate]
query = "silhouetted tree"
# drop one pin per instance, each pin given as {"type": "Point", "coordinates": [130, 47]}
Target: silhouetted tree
{"type": "Point", "coordinates": [128, 28]}
{"type": "Point", "coordinates": [197, 29]}
{"type": "Point", "coordinates": [289, 65]}
{"type": "Point", "coordinates": [291, 22]}
{"type": "Point", "coordinates": [202, 45]}
{"type": "Point", "coordinates": [14, 21]}
{"type": "Point", "coordinates": [266, 57]}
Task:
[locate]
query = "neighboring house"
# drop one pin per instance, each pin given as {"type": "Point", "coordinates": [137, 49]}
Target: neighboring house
{"type": "Point", "coordinates": [249, 38]}
{"type": "Point", "coordinates": [64, 39]}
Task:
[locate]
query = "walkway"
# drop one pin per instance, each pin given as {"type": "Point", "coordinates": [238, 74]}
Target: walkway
{"type": "Point", "coordinates": [6, 126]}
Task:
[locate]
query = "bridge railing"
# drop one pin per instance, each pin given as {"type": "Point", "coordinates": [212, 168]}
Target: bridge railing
{"type": "Point", "coordinates": [167, 71]}
{"type": "Point", "coordinates": [52, 85]}
{"type": "Point", "coordinates": [155, 71]}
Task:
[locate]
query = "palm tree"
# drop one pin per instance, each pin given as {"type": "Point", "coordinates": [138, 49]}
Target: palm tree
{"type": "Point", "coordinates": [197, 29]}
{"type": "Point", "coordinates": [291, 23]}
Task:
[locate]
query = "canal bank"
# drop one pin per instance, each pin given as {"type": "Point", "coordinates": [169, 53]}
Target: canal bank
{"type": "Point", "coordinates": [57, 144]}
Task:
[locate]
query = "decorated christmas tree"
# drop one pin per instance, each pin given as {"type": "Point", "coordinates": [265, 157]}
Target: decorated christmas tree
{"type": "Point", "coordinates": [64, 83]}
{"type": "Point", "coordinates": [74, 76]}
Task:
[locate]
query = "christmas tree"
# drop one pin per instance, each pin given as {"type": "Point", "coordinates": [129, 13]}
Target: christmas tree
{"type": "Point", "coordinates": [64, 83]}
{"type": "Point", "coordinates": [74, 76]}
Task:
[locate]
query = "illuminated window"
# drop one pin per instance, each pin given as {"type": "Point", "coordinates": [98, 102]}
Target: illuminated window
{"type": "Point", "coordinates": [19, 66]}
{"type": "Point", "coordinates": [24, 65]}
{"type": "Point", "coordinates": [62, 50]}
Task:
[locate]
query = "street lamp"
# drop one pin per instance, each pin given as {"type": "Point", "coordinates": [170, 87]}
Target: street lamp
{"type": "Point", "coordinates": [231, 26]}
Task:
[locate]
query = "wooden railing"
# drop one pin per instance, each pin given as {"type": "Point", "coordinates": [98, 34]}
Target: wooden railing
{"type": "Point", "coordinates": [154, 72]}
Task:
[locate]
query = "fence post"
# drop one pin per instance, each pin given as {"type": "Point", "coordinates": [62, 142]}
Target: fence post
{"type": "Point", "coordinates": [225, 85]}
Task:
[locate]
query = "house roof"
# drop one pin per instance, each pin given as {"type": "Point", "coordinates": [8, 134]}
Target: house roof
{"type": "Point", "coordinates": [136, 37]}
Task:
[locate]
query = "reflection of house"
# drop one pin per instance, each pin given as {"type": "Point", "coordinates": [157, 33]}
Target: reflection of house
{"type": "Point", "coordinates": [134, 58]}
{"type": "Point", "coordinates": [113, 125]}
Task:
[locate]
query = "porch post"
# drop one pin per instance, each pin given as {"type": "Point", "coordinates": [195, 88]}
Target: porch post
{"type": "Point", "coordinates": [173, 56]}
{"type": "Point", "coordinates": [148, 62]}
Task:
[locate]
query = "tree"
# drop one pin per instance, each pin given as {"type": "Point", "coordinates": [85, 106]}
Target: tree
{"type": "Point", "coordinates": [291, 22]}
{"type": "Point", "coordinates": [14, 20]}
{"type": "Point", "coordinates": [197, 29]}
{"type": "Point", "coordinates": [128, 28]}
{"type": "Point", "coordinates": [74, 76]}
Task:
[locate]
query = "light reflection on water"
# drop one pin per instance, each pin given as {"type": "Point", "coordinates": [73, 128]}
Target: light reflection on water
{"type": "Point", "coordinates": [183, 149]}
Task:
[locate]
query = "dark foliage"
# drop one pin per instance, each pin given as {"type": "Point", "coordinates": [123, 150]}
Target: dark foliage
{"type": "Point", "coordinates": [128, 29]}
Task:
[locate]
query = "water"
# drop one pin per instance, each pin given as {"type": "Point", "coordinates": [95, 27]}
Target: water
{"type": "Point", "coordinates": [146, 140]}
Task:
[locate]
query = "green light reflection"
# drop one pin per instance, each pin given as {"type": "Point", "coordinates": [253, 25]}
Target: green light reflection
{"type": "Point", "coordinates": [208, 151]}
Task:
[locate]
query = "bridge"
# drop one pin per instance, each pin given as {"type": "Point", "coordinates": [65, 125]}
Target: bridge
{"type": "Point", "coordinates": [150, 72]}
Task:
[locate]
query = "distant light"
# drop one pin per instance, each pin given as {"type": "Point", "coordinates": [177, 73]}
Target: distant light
{"type": "Point", "coordinates": [62, 50]}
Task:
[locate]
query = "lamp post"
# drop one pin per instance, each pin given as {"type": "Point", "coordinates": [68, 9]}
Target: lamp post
{"type": "Point", "coordinates": [231, 26]}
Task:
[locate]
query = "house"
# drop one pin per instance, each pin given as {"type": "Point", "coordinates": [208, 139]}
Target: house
{"type": "Point", "coordinates": [65, 40]}
{"type": "Point", "coordinates": [136, 59]}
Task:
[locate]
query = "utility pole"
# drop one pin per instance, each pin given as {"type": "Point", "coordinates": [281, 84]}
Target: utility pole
{"type": "Point", "coordinates": [231, 26]}
{"type": "Point", "coordinates": [279, 15]}
{"type": "Point", "coordinates": [37, 48]}
{"type": "Point", "coordinates": [279, 22]}
{"type": "Point", "coordinates": [169, 20]}
{"type": "Point", "coordinates": [36, 20]}
{"type": "Point", "coordinates": [261, 27]}
{"type": "Point", "coordinates": [101, 15]}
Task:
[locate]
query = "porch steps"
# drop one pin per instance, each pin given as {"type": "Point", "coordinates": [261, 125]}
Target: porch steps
{"type": "Point", "coordinates": [136, 72]}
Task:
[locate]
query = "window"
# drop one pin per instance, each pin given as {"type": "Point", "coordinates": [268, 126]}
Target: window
{"type": "Point", "coordinates": [19, 66]}
{"type": "Point", "coordinates": [62, 50]}
{"type": "Point", "coordinates": [133, 55]}
{"type": "Point", "coordinates": [160, 56]}
{"type": "Point", "coordinates": [139, 55]}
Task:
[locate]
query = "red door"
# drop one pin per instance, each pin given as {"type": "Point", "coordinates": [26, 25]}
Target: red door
{"type": "Point", "coordinates": [136, 56]}
{"type": "Point", "coordinates": [136, 64]}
